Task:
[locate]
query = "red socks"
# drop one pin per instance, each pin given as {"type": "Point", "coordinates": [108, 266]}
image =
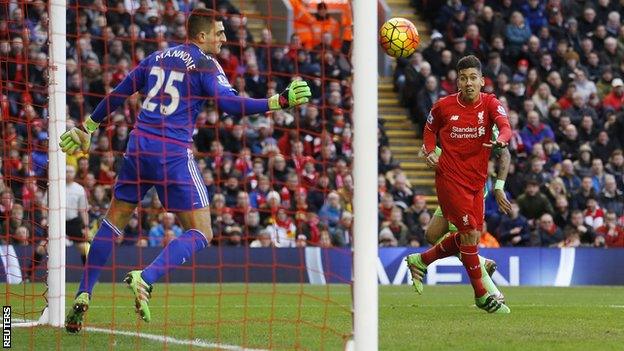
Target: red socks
{"type": "Point", "coordinates": [470, 259]}
{"type": "Point", "coordinates": [447, 247]}
{"type": "Point", "coordinates": [469, 256]}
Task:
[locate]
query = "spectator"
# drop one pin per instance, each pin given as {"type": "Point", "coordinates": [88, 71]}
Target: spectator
{"type": "Point", "coordinates": [555, 189]}
{"type": "Point", "coordinates": [487, 240]}
{"type": "Point", "coordinates": [615, 98]}
{"type": "Point", "coordinates": [582, 166]}
{"type": "Point", "coordinates": [132, 233]}
{"type": "Point", "coordinates": [491, 23]}
{"type": "Point", "coordinates": [263, 240]}
{"type": "Point", "coordinates": [579, 199]}
{"type": "Point", "coordinates": [611, 198]}
{"type": "Point", "coordinates": [417, 207]}
{"type": "Point", "coordinates": [547, 234]}
{"type": "Point", "coordinates": [76, 217]}
{"type": "Point", "coordinates": [401, 192]}
{"type": "Point", "coordinates": [495, 66]}
{"type": "Point", "coordinates": [98, 203]}
{"type": "Point", "coordinates": [514, 228]}
{"type": "Point", "coordinates": [535, 14]}
{"type": "Point", "coordinates": [594, 215]}
{"type": "Point", "coordinates": [579, 107]}
{"type": "Point", "coordinates": [543, 99]}
{"type": "Point", "coordinates": [611, 233]}
{"type": "Point", "coordinates": [397, 227]}
{"type": "Point", "coordinates": [535, 131]}
{"type": "Point", "coordinates": [562, 211]}
{"type": "Point", "coordinates": [587, 132]}
{"type": "Point", "coordinates": [331, 211]}
{"type": "Point", "coordinates": [572, 238]}
{"type": "Point", "coordinates": [517, 32]}
{"type": "Point", "coordinates": [161, 233]}
{"type": "Point", "coordinates": [426, 98]}
{"type": "Point", "coordinates": [616, 167]}
{"type": "Point", "coordinates": [282, 229]}
{"type": "Point", "coordinates": [301, 241]}
{"type": "Point", "coordinates": [577, 222]}
{"type": "Point", "coordinates": [324, 23]}
{"type": "Point", "coordinates": [386, 162]}
{"type": "Point", "coordinates": [232, 236]}
{"type": "Point", "coordinates": [603, 146]}
{"type": "Point", "coordinates": [386, 238]}
{"type": "Point", "coordinates": [385, 208]}
{"type": "Point", "coordinates": [532, 203]}
{"type": "Point", "coordinates": [343, 234]}
{"type": "Point", "coordinates": [598, 174]}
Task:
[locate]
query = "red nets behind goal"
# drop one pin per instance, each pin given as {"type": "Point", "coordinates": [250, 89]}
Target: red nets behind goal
{"type": "Point", "coordinates": [280, 184]}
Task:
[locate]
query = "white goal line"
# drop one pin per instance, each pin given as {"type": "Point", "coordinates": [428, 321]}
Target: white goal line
{"type": "Point", "coordinates": [153, 337]}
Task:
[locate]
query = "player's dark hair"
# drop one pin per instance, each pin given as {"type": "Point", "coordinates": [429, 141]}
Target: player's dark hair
{"type": "Point", "coordinates": [470, 61]}
{"type": "Point", "coordinates": [201, 20]}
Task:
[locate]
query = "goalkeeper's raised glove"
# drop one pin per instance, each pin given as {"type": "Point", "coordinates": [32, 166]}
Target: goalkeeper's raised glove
{"type": "Point", "coordinates": [297, 93]}
{"type": "Point", "coordinates": [78, 137]}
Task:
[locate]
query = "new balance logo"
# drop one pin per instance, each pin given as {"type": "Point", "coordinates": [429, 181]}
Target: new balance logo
{"type": "Point", "coordinates": [455, 118]}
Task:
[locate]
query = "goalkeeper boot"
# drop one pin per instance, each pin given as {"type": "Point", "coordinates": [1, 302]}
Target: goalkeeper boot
{"type": "Point", "coordinates": [491, 304]}
{"type": "Point", "coordinates": [73, 322]}
{"type": "Point", "coordinates": [490, 266]}
{"type": "Point", "coordinates": [142, 293]}
{"type": "Point", "coordinates": [418, 270]}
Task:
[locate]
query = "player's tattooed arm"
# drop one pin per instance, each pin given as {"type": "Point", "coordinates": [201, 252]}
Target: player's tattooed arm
{"type": "Point", "coordinates": [502, 169]}
{"type": "Point", "coordinates": [503, 161]}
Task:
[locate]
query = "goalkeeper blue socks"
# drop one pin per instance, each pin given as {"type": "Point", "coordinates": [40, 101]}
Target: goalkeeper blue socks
{"type": "Point", "coordinates": [100, 250]}
{"type": "Point", "coordinates": [176, 253]}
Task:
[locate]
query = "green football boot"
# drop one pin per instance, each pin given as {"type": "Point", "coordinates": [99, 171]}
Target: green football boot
{"type": "Point", "coordinates": [73, 322]}
{"type": "Point", "coordinates": [142, 293]}
{"type": "Point", "coordinates": [418, 270]}
{"type": "Point", "coordinates": [491, 304]}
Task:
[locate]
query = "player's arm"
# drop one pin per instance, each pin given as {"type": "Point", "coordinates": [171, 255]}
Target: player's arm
{"type": "Point", "coordinates": [430, 136]}
{"type": "Point", "coordinates": [499, 116]}
{"type": "Point", "coordinates": [503, 161]}
{"type": "Point", "coordinates": [80, 137]}
{"type": "Point", "coordinates": [215, 84]}
{"type": "Point", "coordinates": [83, 210]}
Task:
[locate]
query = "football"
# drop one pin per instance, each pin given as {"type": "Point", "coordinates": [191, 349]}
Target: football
{"type": "Point", "coordinates": [399, 37]}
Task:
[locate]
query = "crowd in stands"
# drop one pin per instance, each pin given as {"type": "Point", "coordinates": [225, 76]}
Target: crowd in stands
{"type": "Point", "coordinates": [558, 68]}
{"type": "Point", "coordinates": [282, 179]}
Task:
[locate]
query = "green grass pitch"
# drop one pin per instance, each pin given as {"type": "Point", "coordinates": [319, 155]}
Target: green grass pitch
{"type": "Point", "coordinates": [293, 316]}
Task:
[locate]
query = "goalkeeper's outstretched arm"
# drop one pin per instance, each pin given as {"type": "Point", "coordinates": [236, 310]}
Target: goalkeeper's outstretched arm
{"type": "Point", "coordinates": [80, 137]}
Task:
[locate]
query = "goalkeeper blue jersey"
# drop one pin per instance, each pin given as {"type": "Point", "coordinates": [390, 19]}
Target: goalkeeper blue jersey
{"type": "Point", "coordinates": [175, 84]}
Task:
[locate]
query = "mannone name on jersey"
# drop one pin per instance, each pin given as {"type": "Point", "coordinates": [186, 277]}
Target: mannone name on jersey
{"type": "Point", "coordinates": [177, 53]}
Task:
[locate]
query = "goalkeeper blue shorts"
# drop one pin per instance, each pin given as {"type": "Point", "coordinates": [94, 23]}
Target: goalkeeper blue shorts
{"type": "Point", "coordinates": [168, 165]}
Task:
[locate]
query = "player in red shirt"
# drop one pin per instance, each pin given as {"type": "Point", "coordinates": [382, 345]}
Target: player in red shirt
{"type": "Point", "coordinates": [462, 123]}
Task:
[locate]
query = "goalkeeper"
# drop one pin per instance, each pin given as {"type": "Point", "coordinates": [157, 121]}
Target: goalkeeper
{"type": "Point", "coordinates": [176, 82]}
{"type": "Point", "coordinates": [439, 226]}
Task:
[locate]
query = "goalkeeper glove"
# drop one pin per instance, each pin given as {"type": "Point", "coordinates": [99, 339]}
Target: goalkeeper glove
{"type": "Point", "coordinates": [78, 137]}
{"type": "Point", "coordinates": [297, 93]}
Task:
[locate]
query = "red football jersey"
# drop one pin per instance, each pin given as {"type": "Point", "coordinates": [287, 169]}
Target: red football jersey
{"type": "Point", "coordinates": [462, 130]}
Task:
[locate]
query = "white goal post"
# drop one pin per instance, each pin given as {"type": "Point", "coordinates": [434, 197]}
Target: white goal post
{"type": "Point", "coordinates": [365, 322]}
{"type": "Point", "coordinates": [56, 168]}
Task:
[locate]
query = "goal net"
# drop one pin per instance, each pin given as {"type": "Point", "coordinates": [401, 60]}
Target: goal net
{"type": "Point", "coordinates": [277, 273]}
